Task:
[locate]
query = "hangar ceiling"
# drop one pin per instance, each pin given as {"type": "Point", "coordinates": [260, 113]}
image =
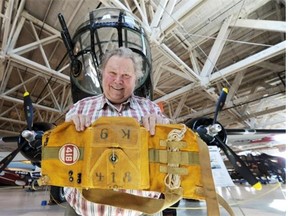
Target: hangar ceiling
{"type": "Point", "coordinates": [198, 47]}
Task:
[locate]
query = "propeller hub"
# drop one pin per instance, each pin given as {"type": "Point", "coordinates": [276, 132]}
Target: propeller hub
{"type": "Point", "coordinates": [214, 129]}
{"type": "Point", "coordinates": [28, 135]}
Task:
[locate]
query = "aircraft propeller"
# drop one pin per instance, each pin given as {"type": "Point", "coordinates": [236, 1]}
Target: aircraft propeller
{"type": "Point", "coordinates": [213, 133]}
{"type": "Point", "coordinates": [28, 110]}
{"type": "Point", "coordinates": [29, 141]}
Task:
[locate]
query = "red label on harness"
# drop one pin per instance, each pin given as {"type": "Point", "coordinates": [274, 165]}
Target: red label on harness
{"type": "Point", "coordinates": [69, 154]}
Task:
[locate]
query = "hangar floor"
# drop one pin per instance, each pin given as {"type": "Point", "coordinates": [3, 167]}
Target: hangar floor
{"type": "Point", "coordinates": [270, 201]}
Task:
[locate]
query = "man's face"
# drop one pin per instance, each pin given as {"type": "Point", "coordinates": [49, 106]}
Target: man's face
{"type": "Point", "coordinates": [118, 79]}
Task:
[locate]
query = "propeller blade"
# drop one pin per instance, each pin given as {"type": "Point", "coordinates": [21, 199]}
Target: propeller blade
{"type": "Point", "coordinates": [9, 139]}
{"type": "Point", "coordinates": [4, 163]}
{"type": "Point", "coordinates": [255, 131]}
{"type": "Point", "coordinates": [239, 165]}
{"type": "Point", "coordinates": [220, 103]}
{"type": "Point", "coordinates": [28, 109]}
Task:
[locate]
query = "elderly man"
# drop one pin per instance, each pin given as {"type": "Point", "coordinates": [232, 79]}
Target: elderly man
{"type": "Point", "coordinates": [120, 70]}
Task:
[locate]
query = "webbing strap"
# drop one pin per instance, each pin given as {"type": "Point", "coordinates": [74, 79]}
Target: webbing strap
{"type": "Point", "coordinates": [124, 200]}
{"type": "Point", "coordinates": [207, 180]}
{"type": "Point", "coordinates": [211, 197]}
{"type": "Point", "coordinates": [176, 157]}
{"type": "Point", "coordinates": [225, 205]}
{"type": "Point", "coordinates": [53, 153]}
{"type": "Point", "coordinates": [150, 206]}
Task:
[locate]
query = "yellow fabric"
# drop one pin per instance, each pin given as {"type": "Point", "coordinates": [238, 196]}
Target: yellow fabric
{"type": "Point", "coordinates": [129, 142]}
{"type": "Point", "coordinates": [55, 172]}
{"type": "Point", "coordinates": [191, 182]}
{"type": "Point", "coordinates": [126, 142]}
{"type": "Point", "coordinates": [116, 153]}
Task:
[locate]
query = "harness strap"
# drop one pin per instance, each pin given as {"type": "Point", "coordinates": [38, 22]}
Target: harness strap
{"type": "Point", "coordinates": [151, 205]}
{"type": "Point", "coordinates": [176, 157]}
{"type": "Point", "coordinates": [171, 161]}
{"type": "Point", "coordinates": [207, 180]}
{"type": "Point", "coordinates": [225, 205]}
{"type": "Point", "coordinates": [211, 197]}
{"type": "Point", "coordinates": [134, 202]}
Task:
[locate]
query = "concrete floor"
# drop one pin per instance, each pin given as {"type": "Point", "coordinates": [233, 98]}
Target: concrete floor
{"type": "Point", "coordinates": [270, 201]}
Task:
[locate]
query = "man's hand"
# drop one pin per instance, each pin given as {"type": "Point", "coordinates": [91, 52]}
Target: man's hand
{"type": "Point", "coordinates": [150, 121]}
{"type": "Point", "coordinates": [80, 121]}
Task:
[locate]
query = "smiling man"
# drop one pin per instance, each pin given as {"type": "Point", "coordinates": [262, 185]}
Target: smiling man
{"type": "Point", "coordinates": [119, 79]}
{"type": "Point", "coordinates": [120, 71]}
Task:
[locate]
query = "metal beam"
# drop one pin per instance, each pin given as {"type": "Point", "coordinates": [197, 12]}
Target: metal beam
{"type": "Point", "coordinates": [251, 60]}
{"type": "Point", "coordinates": [13, 120]}
{"type": "Point", "coordinates": [20, 85]}
{"type": "Point", "coordinates": [215, 51]}
{"type": "Point", "coordinates": [264, 112]}
{"type": "Point", "coordinates": [202, 27]}
{"type": "Point", "coordinates": [156, 75]}
{"type": "Point", "coordinates": [7, 24]}
{"type": "Point", "coordinates": [177, 72]}
{"type": "Point", "coordinates": [175, 93]}
{"type": "Point", "coordinates": [38, 67]}
{"type": "Point", "coordinates": [158, 14]}
{"type": "Point", "coordinates": [272, 66]}
{"type": "Point", "coordinates": [169, 9]}
{"type": "Point", "coordinates": [16, 19]}
{"type": "Point", "coordinates": [179, 14]}
{"type": "Point", "coordinates": [266, 25]}
{"type": "Point", "coordinates": [34, 45]}
{"type": "Point", "coordinates": [180, 64]}
{"type": "Point", "coordinates": [117, 3]}
{"type": "Point", "coordinates": [38, 106]}
{"type": "Point", "coordinates": [38, 22]}
{"type": "Point", "coordinates": [251, 97]}
{"type": "Point", "coordinates": [195, 64]}
{"type": "Point", "coordinates": [180, 106]}
{"type": "Point", "coordinates": [235, 86]}
{"type": "Point", "coordinates": [254, 59]}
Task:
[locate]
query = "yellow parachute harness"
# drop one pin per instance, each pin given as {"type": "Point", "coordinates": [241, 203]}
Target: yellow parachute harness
{"type": "Point", "coordinates": [117, 153]}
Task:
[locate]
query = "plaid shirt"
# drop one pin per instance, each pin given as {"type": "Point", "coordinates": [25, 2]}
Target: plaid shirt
{"type": "Point", "coordinates": [97, 106]}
